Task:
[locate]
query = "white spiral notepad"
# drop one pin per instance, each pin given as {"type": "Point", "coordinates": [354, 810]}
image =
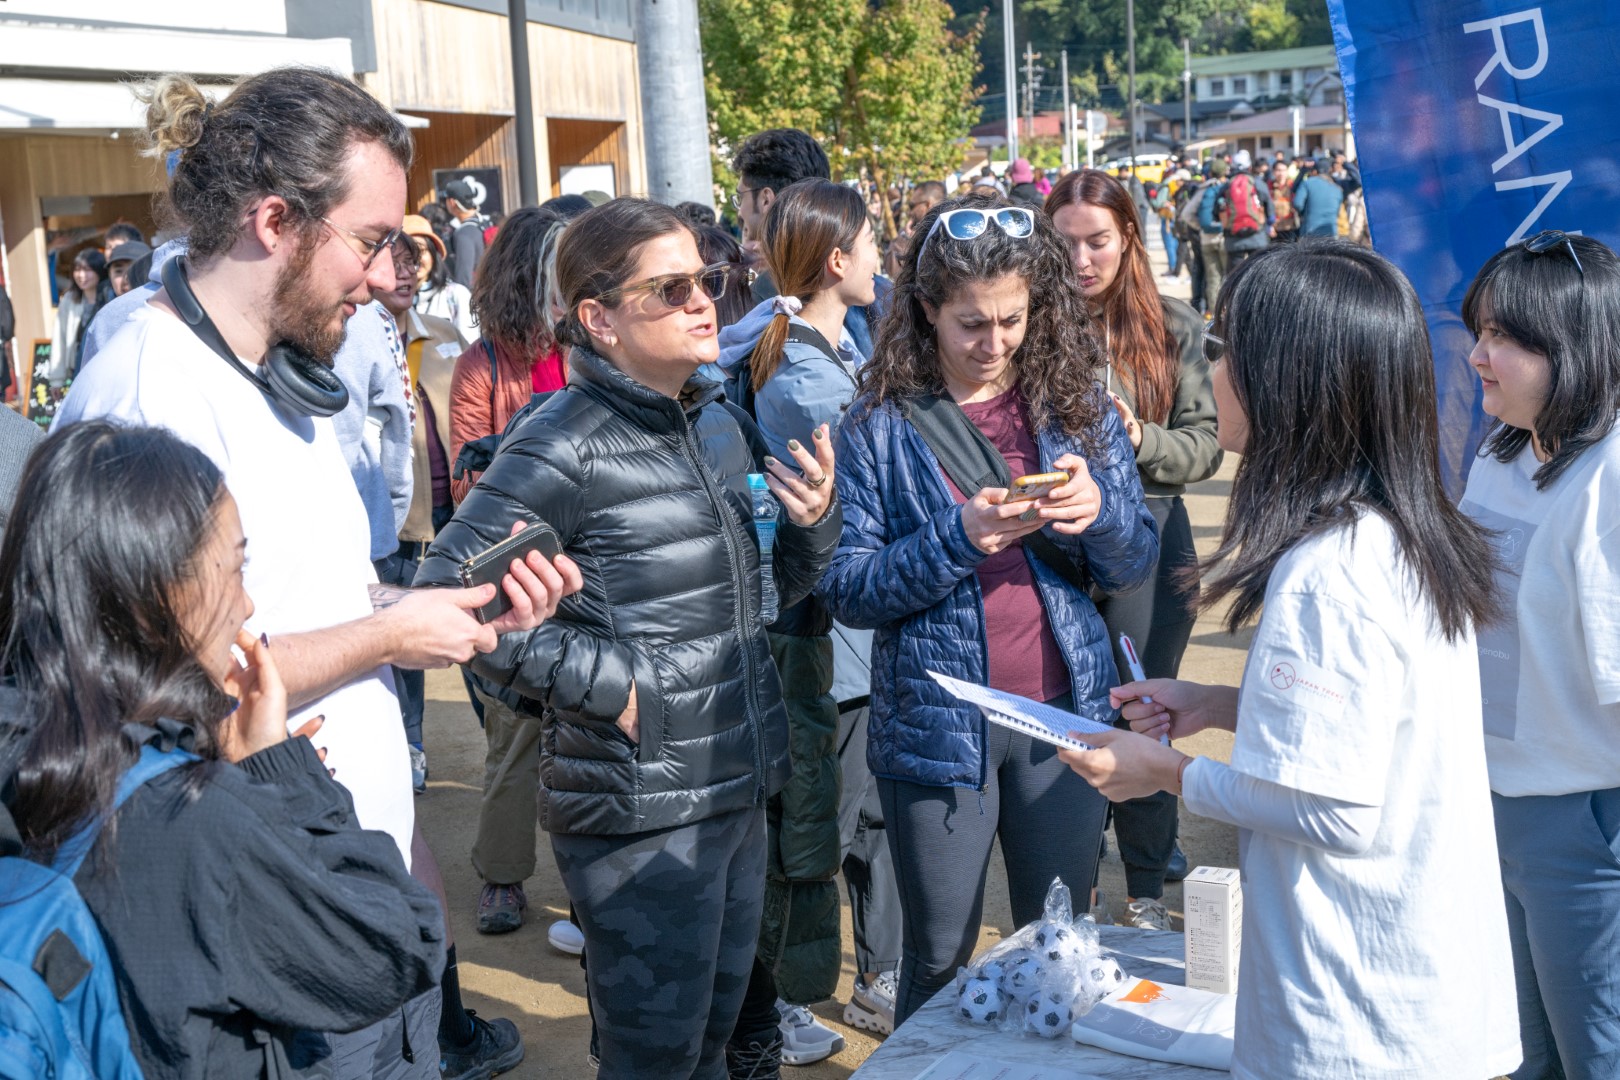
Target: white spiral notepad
{"type": "Point", "coordinates": [1034, 718]}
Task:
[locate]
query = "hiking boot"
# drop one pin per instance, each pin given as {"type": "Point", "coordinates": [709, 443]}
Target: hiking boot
{"type": "Point", "coordinates": [495, 1047]}
{"type": "Point", "coordinates": [871, 1006]}
{"type": "Point", "coordinates": [805, 1040]}
{"type": "Point", "coordinates": [500, 908]}
{"type": "Point", "coordinates": [565, 937]}
{"type": "Point", "coordinates": [1177, 870]}
{"type": "Point", "coordinates": [419, 768]}
{"type": "Point", "coordinates": [754, 1061]}
{"type": "Point", "coordinates": [1147, 915]}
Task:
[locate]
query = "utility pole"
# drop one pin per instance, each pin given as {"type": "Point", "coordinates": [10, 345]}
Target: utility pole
{"type": "Point", "coordinates": [1130, 78]}
{"type": "Point", "coordinates": [1068, 120]}
{"type": "Point", "coordinates": [1010, 60]}
{"type": "Point", "coordinates": [1031, 81]}
{"type": "Point", "coordinates": [675, 114]}
{"type": "Point", "coordinates": [523, 103]}
{"type": "Point", "coordinates": [1186, 91]}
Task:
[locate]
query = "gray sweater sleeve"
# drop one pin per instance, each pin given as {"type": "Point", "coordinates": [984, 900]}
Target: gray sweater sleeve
{"type": "Point", "coordinates": [1182, 450]}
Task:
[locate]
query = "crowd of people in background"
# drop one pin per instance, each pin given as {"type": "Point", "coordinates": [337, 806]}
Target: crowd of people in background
{"type": "Point", "coordinates": [285, 431]}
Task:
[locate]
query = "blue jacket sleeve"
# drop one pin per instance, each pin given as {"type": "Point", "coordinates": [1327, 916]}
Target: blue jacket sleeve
{"type": "Point", "coordinates": [876, 579]}
{"type": "Point", "coordinates": [1121, 548]}
{"type": "Point", "coordinates": [799, 397]}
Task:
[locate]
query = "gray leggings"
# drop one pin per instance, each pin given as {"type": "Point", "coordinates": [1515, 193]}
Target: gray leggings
{"type": "Point", "coordinates": [670, 920]}
{"type": "Point", "coordinates": [1050, 825]}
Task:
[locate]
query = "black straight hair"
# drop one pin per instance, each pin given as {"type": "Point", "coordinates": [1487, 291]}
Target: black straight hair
{"type": "Point", "coordinates": [104, 534]}
{"type": "Point", "coordinates": [1342, 417]}
{"type": "Point", "coordinates": [1569, 315]}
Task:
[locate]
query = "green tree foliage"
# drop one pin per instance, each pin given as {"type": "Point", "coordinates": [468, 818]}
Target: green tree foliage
{"type": "Point", "coordinates": [1093, 31]}
{"type": "Point", "coordinates": [887, 86]}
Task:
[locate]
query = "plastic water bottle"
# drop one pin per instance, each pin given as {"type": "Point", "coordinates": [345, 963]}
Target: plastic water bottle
{"type": "Point", "coordinates": [766, 509]}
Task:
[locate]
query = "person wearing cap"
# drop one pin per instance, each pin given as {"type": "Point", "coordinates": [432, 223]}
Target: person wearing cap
{"type": "Point", "coordinates": [1211, 239]}
{"type": "Point", "coordinates": [1022, 178]}
{"type": "Point", "coordinates": [119, 262]}
{"type": "Point", "coordinates": [436, 294]}
{"type": "Point", "coordinates": [461, 201]}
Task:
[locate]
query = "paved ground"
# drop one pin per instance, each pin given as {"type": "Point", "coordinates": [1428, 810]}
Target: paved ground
{"type": "Point", "coordinates": [519, 976]}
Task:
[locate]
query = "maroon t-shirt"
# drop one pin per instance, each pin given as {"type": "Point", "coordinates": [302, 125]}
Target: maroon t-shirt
{"type": "Point", "coordinates": [1024, 654]}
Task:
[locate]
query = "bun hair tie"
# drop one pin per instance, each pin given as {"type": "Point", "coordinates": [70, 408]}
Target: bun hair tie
{"type": "Point", "coordinates": [786, 305]}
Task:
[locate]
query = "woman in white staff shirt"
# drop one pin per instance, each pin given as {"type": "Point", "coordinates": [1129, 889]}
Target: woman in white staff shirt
{"type": "Point", "coordinates": [1547, 316]}
{"type": "Point", "coordinates": [1374, 939]}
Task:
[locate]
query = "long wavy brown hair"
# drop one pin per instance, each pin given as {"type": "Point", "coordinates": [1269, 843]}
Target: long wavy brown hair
{"type": "Point", "coordinates": [1143, 349]}
{"type": "Point", "coordinates": [1061, 355]}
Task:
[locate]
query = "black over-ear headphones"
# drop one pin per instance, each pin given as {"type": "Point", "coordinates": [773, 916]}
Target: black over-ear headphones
{"type": "Point", "coordinates": [294, 380]}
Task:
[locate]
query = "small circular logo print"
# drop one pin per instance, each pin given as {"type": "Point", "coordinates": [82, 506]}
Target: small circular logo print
{"type": "Point", "coordinates": [1282, 676]}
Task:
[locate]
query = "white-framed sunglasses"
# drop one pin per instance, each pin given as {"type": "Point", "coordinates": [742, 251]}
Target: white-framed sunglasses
{"type": "Point", "coordinates": [969, 223]}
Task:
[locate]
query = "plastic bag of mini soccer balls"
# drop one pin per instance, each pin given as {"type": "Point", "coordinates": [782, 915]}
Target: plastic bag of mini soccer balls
{"type": "Point", "coordinates": [1040, 979]}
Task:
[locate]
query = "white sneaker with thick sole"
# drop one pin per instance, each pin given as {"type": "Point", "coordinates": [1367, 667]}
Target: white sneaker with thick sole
{"type": "Point", "coordinates": [805, 1040]}
{"type": "Point", "coordinates": [1148, 915]}
{"type": "Point", "coordinates": [871, 1006]}
{"type": "Point", "coordinates": [565, 937]}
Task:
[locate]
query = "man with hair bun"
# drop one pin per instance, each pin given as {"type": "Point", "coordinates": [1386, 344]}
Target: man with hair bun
{"type": "Point", "coordinates": [290, 190]}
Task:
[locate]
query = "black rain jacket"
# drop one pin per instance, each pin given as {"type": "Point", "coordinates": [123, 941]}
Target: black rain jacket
{"type": "Point", "coordinates": [650, 496]}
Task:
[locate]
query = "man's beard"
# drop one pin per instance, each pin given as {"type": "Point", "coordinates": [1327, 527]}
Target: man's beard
{"type": "Point", "coordinates": [298, 317]}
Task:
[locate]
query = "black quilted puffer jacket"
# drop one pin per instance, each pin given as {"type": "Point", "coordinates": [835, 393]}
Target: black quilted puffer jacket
{"type": "Point", "coordinates": [650, 496]}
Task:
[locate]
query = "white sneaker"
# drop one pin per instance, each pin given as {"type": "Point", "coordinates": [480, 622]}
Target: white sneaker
{"type": "Point", "coordinates": [565, 937]}
{"type": "Point", "coordinates": [805, 1040]}
{"type": "Point", "coordinates": [871, 1006]}
{"type": "Point", "coordinates": [1147, 915]}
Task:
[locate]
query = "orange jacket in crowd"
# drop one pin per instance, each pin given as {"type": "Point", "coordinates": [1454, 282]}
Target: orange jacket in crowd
{"type": "Point", "coordinates": [476, 410]}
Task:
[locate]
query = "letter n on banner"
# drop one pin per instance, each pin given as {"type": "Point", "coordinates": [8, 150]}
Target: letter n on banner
{"type": "Point", "coordinates": [1478, 123]}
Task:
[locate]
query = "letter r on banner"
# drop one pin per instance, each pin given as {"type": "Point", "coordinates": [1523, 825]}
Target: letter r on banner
{"type": "Point", "coordinates": [1500, 57]}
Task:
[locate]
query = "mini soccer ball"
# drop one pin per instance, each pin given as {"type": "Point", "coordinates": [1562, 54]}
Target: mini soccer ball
{"type": "Point", "coordinates": [1059, 944]}
{"type": "Point", "coordinates": [1021, 975]}
{"type": "Point", "coordinates": [1049, 1014]}
{"type": "Point", "coordinates": [981, 1002]}
{"type": "Point", "coordinates": [993, 970]}
{"type": "Point", "coordinates": [1101, 977]}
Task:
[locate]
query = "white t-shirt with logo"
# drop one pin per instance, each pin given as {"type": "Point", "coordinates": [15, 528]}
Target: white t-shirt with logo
{"type": "Point", "coordinates": [308, 539]}
{"type": "Point", "coordinates": [1394, 963]}
{"type": "Point", "coordinates": [1551, 669]}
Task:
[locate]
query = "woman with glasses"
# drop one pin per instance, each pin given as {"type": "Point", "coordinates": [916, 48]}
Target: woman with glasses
{"type": "Point", "coordinates": [1158, 381]}
{"type": "Point", "coordinates": [1547, 317]}
{"type": "Point", "coordinates": [663, 732]}
{"type": "Point", "coordinates": [436, 294]}
{"type": "Point", "coordinates": [989, 348]}
{"type": "Point", "coordinates": [1375, 943]}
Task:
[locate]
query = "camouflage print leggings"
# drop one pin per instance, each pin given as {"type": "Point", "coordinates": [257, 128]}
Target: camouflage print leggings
{"type": "Point", "coordinates": [670, 918]}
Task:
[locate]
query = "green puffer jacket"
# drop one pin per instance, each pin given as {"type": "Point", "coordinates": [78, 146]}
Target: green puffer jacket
{"type": "Point", "coordinates": [799, 934]}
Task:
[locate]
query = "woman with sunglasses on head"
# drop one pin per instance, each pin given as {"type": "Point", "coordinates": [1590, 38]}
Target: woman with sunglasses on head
{"type": "Point", "coordinates": [1547, 317]}
{"type": "Point", "coordinates": [1158, 380]}
{"type": "Point", "coordinates": [1374, 940]}
{"type": "Point", "coordinates": [989, 346]}
{"type": "Point", "coordinates": [663, 728]}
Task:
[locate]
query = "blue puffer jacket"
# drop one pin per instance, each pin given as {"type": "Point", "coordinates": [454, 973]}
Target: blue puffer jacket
{"type": "Point", "coordinates": [906, 568]}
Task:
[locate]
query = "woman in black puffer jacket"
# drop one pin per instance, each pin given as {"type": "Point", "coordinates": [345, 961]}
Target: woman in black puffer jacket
{"type": "Point", "coordinates": [665, 731]}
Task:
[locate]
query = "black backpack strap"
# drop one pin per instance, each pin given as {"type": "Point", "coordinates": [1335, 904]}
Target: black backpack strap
{"type": "Point", "coordinates": [740, 384]}
{"type": "Point", "coordinates": [972, 462]}
{"type": "Point", "coordinates": [494, 371]}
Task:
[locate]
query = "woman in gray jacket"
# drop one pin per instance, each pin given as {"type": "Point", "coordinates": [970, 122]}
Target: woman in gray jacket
{"type": "Point", "coordinates": [1159, 382]}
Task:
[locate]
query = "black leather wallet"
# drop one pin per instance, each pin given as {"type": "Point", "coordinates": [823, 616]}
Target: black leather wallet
{"type": "Point", "coordinates": [488, 567]}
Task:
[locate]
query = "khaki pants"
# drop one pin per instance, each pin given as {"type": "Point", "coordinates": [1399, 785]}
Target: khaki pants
{"type": "Point", "coordinates": [508, 817]}
{"type": "Point", "coordinates": [1214, 249]}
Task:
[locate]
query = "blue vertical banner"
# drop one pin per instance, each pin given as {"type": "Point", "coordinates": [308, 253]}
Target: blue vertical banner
{"type": "Point", "coordinates": [1478, 123]}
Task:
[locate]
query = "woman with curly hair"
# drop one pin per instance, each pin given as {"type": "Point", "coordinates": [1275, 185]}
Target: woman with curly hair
{"type": "Point", "coordinates": [990, 342]}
